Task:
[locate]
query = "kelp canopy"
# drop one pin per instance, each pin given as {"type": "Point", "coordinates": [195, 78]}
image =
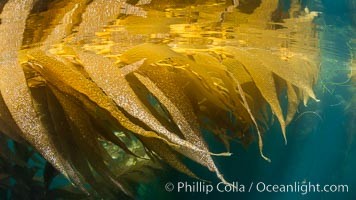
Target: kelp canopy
{"type": "Point", "coordinates": [104, 90]}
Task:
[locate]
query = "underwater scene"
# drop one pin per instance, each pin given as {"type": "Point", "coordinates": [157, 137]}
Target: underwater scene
{"type": "Point", "coordinates": [178, 99]}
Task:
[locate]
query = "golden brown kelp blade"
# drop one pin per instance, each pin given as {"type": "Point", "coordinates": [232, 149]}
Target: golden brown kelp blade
{"type": "Point", "coordinates": [7, 123]}
{"type": "Point", "coordinates": [13, 84]}
{"type": "Point", "coordinates": [69, 80]}
{"type": "Point", "coordinates": [97, 14]}
{"type": "Point", "coordinates": [52, 21]}
{"type": "Point", "coordinates": [263, 80]}
{"type": "Point", "coordinates": [221, 81]}
{"type": "Point", "coordinates": [293, 102]}
{"type": "Point", "coordinates": [237, 69]}
{"type": "Point", "coordinates": [291, 69]}
{"type": "Point", "coordinates": [294, 71]}
{"type": "Point", "coordinates": [63, 135]}
{"type": "Point", "coordinates": [199, 75]}
{"type": "Point", "coordinates": [254, 98]}
{"type": "Point", "coordinates": [42, 106]}
{"type": "Point", "coordinates": [117, 88]}
{"type": "Point", "coordinates": [64, 22]}
{"type": "Point", "coordinates": [110, 79]}
{"type": "Point", "coordinates": [167, 154]}
{"type": "Point", "coordinates": [101, 70]}
{"type": "Point", "coordinates": [86, 140]}
{"type": "Point", "coordinates": [203, 81]}
{"type": "Point", "coordinates": [186, 122]}
{"type": "Point", "coordinates": [164, 56]}
{"type": "Point", "coordinates": [253, 119]}
{"type": "Point", "coordinates": [79, 143]}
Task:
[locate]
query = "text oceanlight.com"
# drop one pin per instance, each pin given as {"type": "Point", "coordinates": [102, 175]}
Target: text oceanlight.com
{"type": "Point", "coordinates": [302, 188]}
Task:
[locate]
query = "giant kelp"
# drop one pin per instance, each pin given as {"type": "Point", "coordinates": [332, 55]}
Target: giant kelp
{"type": "Point", "coordinates": [101, 111]}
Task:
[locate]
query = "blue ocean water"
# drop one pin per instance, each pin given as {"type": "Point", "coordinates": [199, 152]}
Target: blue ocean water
{"type": "Point", "coordinates": [321, 146]}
